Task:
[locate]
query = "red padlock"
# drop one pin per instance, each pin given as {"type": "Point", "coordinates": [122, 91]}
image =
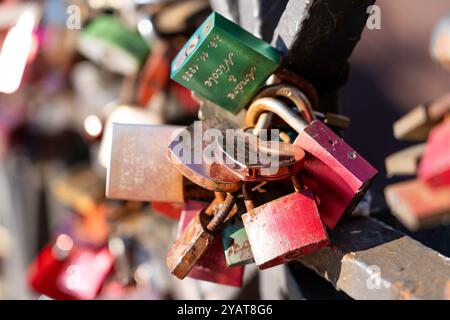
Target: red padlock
{"type": "Point", "coordinates": [336, 173]}
{"type": "Point", "coordinates": [49, 263]}
{"type": "Point", "coordinates": [62, 271]}
{"type": "Point", "coordinates": [212, 266]}
{"type": "Point", "coordinates": [85, 273]}
{"type": "Point", "coordinates": [286, 228]}
{"type": "Point", "coordinates": [155, 75]}
{"type": "Point", "coordinates": [435, 164]}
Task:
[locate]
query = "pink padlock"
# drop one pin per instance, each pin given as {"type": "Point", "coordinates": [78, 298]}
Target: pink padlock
{"type": "Point", "coordinates": [434, 167]}
{"type": "Point", "coordinates": [336, 173]}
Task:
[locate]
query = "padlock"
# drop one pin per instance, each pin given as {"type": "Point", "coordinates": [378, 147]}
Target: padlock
{"type": "Point", "coordinates": [434, 167]}
{"type": "Point", "coordinates": [188, 152]}
{"type": "Point", "coordinates": [440, 43]}
{"type": "Point", "coordinates": [286, 228]}
{"type": "Point", "coordinates": [212, 265]}
{"type": "Point", "coordinates": [224, 63]}
{"type": "Point", "coordinates": [44, 270]}
{"type": "Point", "coordinates": [254, 160]}
{"type": "Point", "coordinates": [155, 75]}
{"type": "Point", "coordinates": [234, 237]}
{"type": "Point", "coordinates": [139, 169]}
{"type": "Point", "coordinates": [417, 205]}
{"type": "Point", "coordinates": [405, 162]}
{"type": "Point", "coordinates": [85, 272]}
{"type": "Point", "coordinates": [196, 238]}
{"type": "Point", "coordinates": [417, 124]}
{"type": "Point", "coordinates": [336, 173]}
{"type": "Point", "coordinates": [127, 114]}
{"type": "Point", "coordinates": [108, 42]}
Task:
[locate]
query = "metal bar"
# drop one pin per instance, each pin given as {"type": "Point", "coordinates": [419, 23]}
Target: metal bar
{"type": "Point", "coordinates": [369, 260]}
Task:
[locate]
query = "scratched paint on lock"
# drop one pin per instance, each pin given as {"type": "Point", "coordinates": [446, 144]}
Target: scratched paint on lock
{"type": "Point", "coordinates": [336, 173]}
{"type": "Point", "coordinates": [212, 265]}
{"type": "Point", "coordinates": [236, 244]}
{"type": "Point", "coordinates": [224, 63]}
{"type": "Point", "coordinates": [284, 229]}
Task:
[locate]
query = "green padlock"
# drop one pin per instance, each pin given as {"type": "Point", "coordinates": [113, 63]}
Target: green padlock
{"type": "Point", "coordinates": [235, 243]}
{"type": "Point", "coordinates": [224, 63]}
{"type": "Point", "coordinates": [111, 44]}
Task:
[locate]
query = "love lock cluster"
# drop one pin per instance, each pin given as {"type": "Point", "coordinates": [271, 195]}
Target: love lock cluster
{"type": "Point", "coordinates": [259, 178]}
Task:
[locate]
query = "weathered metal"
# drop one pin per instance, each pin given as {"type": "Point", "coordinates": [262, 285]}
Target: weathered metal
{"type": "Point", "coordinates": [369, 260]}
{"type": "Point", "coordinates": [417, 205]}
{"type": "Point", "coordinates": [336, 173]}
{"type": "Point", "coordinates": [198, 236]}
{"type": "Point", "coordinates": [254, 160]}
{"type": "Point", "coordinates": [139, 169]}
{"type": "Point", "coordinates": [187, 153]}
{"type": "Point", "coordinates": [283, 229]}
{"type": "Point", "coordinates": [212, 266]}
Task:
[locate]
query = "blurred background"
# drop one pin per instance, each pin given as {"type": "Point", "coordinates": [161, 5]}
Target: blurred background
{"type": "Point", "coordinates": [67, 72]}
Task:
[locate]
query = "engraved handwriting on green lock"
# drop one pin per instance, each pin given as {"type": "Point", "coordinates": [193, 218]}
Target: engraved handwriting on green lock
{"type": "Point", "coordinates": [224, 67]}
{"type": "Point", "coordinates": [250, 76]}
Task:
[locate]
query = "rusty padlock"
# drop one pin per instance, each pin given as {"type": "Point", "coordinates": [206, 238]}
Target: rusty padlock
{"type": "Point", "coordinates": [212, 265]}
{"type": "Point", "coordinates": [196, 238]}
{"type": "Point", "coordinates": [254, 160]}
{"type": "Point", "coordinates": [286, 228]}
{"type": "Point", "coordinates": [434, 167]}
{"type": "Point", "coordinates": [336, 173]}
{"type": "Point", "coordinates": [193, 154]}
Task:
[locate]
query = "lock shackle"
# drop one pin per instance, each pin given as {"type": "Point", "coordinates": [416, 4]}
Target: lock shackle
{"type": "Point", "coordinates": [263, 105]}
{"type": "Point", "coordinates": [293, 94]}
{"type": "Point", "coordinates": [223, 213]}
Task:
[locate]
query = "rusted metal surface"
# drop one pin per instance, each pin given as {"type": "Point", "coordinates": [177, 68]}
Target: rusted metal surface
{"type": "Point", "coordinates": [189, 247]}
{"type": "Point", "coordinates": [255, 160]}
{"type": "Point", "coordinates": [196, 238]}
{"type": "Point", "coordinates": [369, 260]}
{"type": "Point", "coordinates": [139, 169]}
{"type": "Point", "coordinates": [404, 162]}
{"type": "Point", "coordinates": [417, 205]}
{"type": "Point", "coordinates": [212, 266]}
{"type": "Point", "coordinates": [284, 229]}
{"type": "Point", "coordinates": [187, 153]}
{"type": "Point", "coordinates": [435, 164]}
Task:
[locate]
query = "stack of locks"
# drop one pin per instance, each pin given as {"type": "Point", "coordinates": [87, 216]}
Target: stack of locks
{"type": "Point", "coordinates": [425, 201]}
{"type": "Point", "coordinates": [258, 179]}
